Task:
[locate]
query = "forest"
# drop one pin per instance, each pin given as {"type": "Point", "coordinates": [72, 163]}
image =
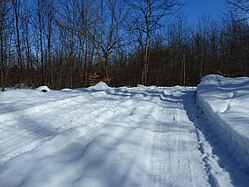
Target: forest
{"type": "Point", "coordinates": [77, 43]}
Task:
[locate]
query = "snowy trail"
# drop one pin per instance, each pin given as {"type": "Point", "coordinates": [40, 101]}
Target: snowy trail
{"type": "Point", "coordinates": [174, 153]}
{"type": "Point", "coordinates": [222, 168]}
{"type": "Point", "coordinates": [143, 136]}
{"type": "Point", "coordinates": [25, 129]}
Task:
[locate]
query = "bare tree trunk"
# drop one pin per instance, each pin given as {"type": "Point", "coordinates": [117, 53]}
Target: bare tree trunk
{"type": "Point", "coordinates": [40, 22]}
{"type": "Point", "coordinates": [107, 78]}
{"type": "Point", "coordinates": [147, 21]}
{"type": "Point", "coordinates": [183, 72]}
{"type": "Point", "coordinates": [148, 13]}
{"type": "Point", "coordinates": [146, 62]}
{"type": "Point", "coordinates": [71, 72]}
{"type": "Point", "coordinates": [87, 46]}
{"type": "Point", "coordinates": [1, 48]}
{"type": "Point", "coordinates": [49, 46]}
{"type": "Point", "coordinates": [16, 6]}
{"type": "Point", "coordinates": [2, 61]}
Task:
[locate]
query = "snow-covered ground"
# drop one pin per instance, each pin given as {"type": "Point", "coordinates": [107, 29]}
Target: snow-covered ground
{"type": "Point", "coordinates": [113, 137]}
{"type": "Point", "coordinates": [225, 102]}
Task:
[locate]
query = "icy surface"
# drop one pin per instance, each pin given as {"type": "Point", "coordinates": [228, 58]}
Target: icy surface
{"type": "Point", "coordinates": [110, 137]}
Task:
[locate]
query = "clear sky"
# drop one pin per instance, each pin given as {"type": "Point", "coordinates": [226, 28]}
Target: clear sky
{"type": "Point", "coordinates": [196, 8]}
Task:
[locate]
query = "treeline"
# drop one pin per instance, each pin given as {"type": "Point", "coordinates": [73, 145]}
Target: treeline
{"type": "Point", "coordinates": [76, 43]}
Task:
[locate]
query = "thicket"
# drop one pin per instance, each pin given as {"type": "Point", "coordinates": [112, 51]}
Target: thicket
{"type": "Point", "coordinates": [76, 43]}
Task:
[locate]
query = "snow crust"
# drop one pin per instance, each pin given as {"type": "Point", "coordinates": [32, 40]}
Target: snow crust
{"type": "Point", "coordinates": [225, 101]}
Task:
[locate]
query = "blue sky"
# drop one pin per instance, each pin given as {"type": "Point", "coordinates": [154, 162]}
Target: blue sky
{"type": "Point", "coordinates": [195, 9]}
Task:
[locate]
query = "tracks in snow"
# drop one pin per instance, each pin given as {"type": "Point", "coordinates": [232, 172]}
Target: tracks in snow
{"type": "Point", "coordinates": [27, 129]}
{"type": "Point", "coordinates": [175, 161]}
{"type": "Point", "coordinates": [221, 167]}
{"type": "Point", "coordinates": [130, 137]}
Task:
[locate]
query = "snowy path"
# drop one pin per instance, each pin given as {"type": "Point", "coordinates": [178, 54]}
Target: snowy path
{"type": "Point", "coordinates": [116, 137]}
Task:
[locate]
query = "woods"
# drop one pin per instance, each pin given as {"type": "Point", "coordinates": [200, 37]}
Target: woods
{"type": "Point", "coordinates": [77, 43]}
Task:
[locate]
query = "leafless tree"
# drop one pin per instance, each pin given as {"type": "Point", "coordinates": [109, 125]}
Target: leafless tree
{"type": "Point", "coordinates": [178, 39]}
{"type": "Point", "coordinates": [147, 17]}
{"type": "Point", "coordinates": [4, 9]}
{"type": "Point", "coordinates": [110, 16]}
{"type": "Point", "coordinates": [16, 5]}
{"type": "Point", "coordinates": [239, 8]}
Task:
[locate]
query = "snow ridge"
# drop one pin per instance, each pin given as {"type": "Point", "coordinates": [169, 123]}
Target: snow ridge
{"type": "Point", "coordinates": [229, 113]}
{"type": "Point", "coordinates": [221, 132]}
{"type": "Point", "coordinates": [194, 115]}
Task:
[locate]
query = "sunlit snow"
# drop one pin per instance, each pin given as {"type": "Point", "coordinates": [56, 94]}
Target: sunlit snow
{"type": "Point", "coordinates": [123, 137]}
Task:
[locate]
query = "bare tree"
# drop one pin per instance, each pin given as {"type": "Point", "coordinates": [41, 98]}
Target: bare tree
{"type": "Point", "coordinates": [147, 18]}
{"type": "Point", "coordinates": [239, 8]}
{"type": "Point", "coordinates": [178, 39]}
{"type": "Point", "coordinates": [16, 5]}
{"type": "Point", "coordinates": [40, 26]}
{"type": "Point", "coordinates": [4, 9]}
{"type": "Point", "coordinates": [50, 13]}
{"type": "Point", "coordinates": [86, 16]}
{"type": "Point", "coordinates": [110, 17]}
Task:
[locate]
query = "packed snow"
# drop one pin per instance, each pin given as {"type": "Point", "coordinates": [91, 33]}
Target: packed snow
{"type": "Point", "coordinates": [115, 137]}
{"type": "Point", "coordinates": [100, 86]}
{"type": "Point", "coordinates": [225, 101]}
{"type": "Point", "coordinates": [43, 89]}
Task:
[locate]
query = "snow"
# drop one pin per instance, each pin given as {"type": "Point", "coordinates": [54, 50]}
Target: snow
{"type": "Point", "coordinates": [43, 89]}
{"type": "Point", "coordinates": [102, 136]}
{"type": "Point", "coordinates": [100, 86]}
{"type": "Point", "coordinates": [226, 102]}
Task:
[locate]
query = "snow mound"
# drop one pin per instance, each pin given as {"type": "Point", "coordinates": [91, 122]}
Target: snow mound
{"type": "Point", "coordinates": [226, 102]}
{"type": "Point", "coordinates": [100, 86]}
{"type": "Point", "coordinates": [141, 86]}
{"type": "Point", "coordinates": [43, 89]}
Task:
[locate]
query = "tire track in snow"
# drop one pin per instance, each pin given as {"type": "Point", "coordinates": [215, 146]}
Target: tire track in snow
{"type": "Point", "coordinates": [46, 101]}
{"type": "Point", "coordinates": [143, 139]}
{"type": "Point", "coordinates": [22, 117]}
{"type": "Point", "coordinates": [123, 142]}
{"type": "Point", "coordinates": [157, 162]}
{"type": "Point", "coordinates": [174, 158]}
{"type": "Point", "coordinates": [205, 157]}
{"type": "Point", "coordinates": [27, 137]}
{"type": "Point", "coordinates": [102, 146]}
{"type": "Point", "coordinates": [220, 166]}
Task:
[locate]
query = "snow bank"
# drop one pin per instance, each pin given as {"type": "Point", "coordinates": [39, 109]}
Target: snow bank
{"type": "Point", "coordinates": [100, 86]}
{"type": "Point", "coordinates": [226, 101]}
{"type": "Point", "coordinates": [43, 89]}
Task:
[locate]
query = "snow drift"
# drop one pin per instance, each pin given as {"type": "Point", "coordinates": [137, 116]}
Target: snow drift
{"type": "Point", "coordinates": [100, 86]}
{"type": "Point", "coordinates": [226, 102]}
{"type": "Point", "coordinates": [43, 89]}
